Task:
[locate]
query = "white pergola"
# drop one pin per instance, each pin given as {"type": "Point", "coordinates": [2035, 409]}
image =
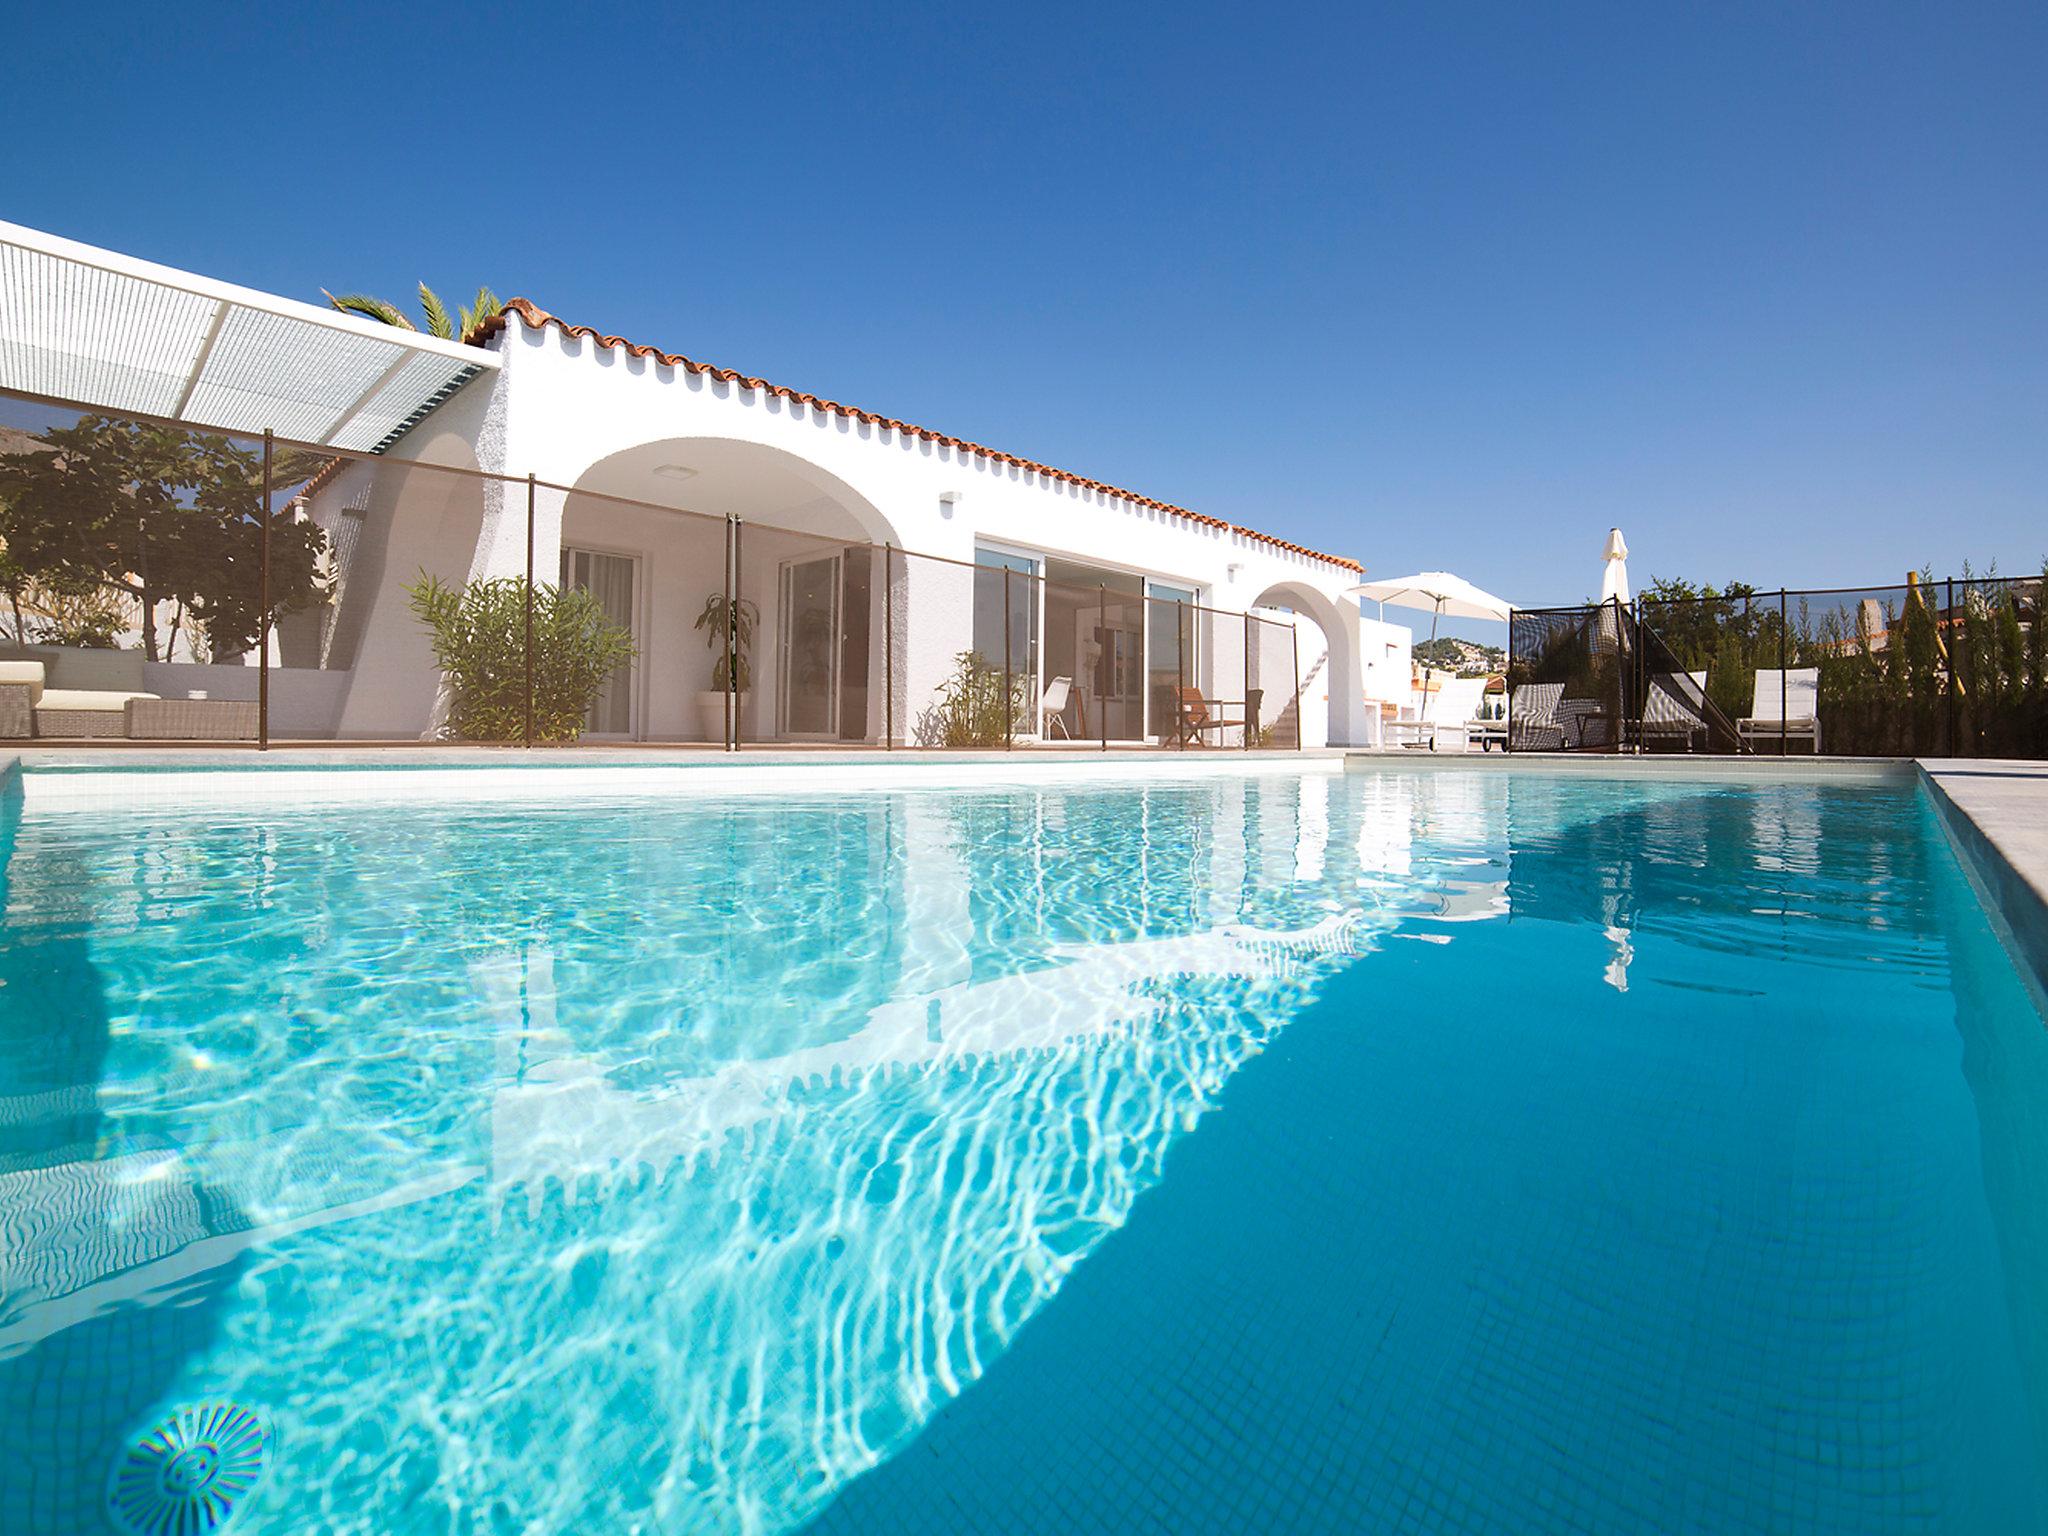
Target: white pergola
{"type": "Point", "coordinates": [99, 330]}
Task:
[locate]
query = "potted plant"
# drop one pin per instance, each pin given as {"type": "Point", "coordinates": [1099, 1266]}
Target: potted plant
{"type": "Point", "coordinates": [728, 627]}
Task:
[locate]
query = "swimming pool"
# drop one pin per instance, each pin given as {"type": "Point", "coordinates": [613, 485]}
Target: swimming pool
{"type": "Point", "coordinates": [1408, 1151]}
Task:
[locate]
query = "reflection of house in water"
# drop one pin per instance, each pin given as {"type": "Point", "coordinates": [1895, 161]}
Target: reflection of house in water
{"type": "Point", "coordinates": [1634, 865]}
{"type": "Point", "coordinates": [760, 1248]}
{"type": "Point", "coordinates": [875, 1215]}
{"type": "Point", "coordinates": [562, 1123]}
{"type": "Point", "coordinates": [855, 1228]}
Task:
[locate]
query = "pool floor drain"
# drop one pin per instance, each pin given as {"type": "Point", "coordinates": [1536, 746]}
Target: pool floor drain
{"type": "Point", "coordinates": [188, 1474]}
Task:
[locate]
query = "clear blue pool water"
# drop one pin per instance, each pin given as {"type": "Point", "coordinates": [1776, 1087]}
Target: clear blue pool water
{"type": "Point", "coordinates": [1416, 1152]}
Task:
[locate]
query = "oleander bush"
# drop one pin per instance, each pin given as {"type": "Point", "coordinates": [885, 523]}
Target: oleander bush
{"type": "Point", "coordinates": [479, 637]}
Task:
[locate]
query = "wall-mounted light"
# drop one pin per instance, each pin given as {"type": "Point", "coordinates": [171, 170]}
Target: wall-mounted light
{"type": "Point", "coordinates": [948, 500]}
{"type": "Point", "coordinates": [674, 471]}
{"type": "Point", "coordinates": [1233, 570]}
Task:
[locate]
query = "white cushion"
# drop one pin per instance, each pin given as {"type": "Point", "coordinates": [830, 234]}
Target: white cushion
{"type": "Point", "coordinates": [30, 672]}
{"type": "Point", "coordinates": [88, 698]}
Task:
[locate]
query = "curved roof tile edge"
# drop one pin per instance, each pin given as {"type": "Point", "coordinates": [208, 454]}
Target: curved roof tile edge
{"type": "Point", "coordinates": [535, 318]}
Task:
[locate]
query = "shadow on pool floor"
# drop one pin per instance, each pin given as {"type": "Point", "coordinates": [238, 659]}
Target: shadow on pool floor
{"type": "Point", "coordinates": [1601, 1262]}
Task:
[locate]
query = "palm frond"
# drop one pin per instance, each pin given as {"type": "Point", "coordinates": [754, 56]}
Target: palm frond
{"type": "Point", "coordinates": [487, 305]}
{"type": "Point", "coordinates": [367, 304]}
{"type": "Point", "coordinates": [438, 323]}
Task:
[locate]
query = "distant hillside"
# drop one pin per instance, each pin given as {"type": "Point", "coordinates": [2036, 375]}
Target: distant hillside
{"type": "Point", "coordinates": [1466, 658]}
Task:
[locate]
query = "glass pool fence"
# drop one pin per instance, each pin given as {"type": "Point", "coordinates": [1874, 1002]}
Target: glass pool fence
{"type": "Point", "coordinates": [1933, 667]}
{"type": "Point", "coordinates": [163, 585]}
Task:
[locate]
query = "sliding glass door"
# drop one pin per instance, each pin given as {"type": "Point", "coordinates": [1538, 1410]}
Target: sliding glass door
{"type": "Point", "coordinates": [1095, 634]}
{"type": "Point", "coordinates": [1170, 653]}
{"type": "Point", "coordinates": [1006, 613]}
{"type": "Point", "coordinates": [1121, 645]}
{"type": "Point", "coordinates": [809, 654]}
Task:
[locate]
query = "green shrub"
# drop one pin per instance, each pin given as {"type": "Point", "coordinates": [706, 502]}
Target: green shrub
{"type": "Point", "coordinates": [479, 633]}
{"type": "Point", "coordinates": [969, 709]}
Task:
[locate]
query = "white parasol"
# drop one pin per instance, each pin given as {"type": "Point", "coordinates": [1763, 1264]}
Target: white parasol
{"type": "Point", "coordinates": [1441, 593]}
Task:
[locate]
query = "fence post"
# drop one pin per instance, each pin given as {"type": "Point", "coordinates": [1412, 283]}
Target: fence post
{"type": "Point", "coordinates": [738, 605]}
{"type": "Point", "coordinates": [1748, 664]}
{"type": "Point", "coordinates": [1621, 681]}
{"type": "Point", "coordinates": [1009, 718]}
{"type": "Point", "coordinates": [1644, 675]}
{"type": "Point", "coordinates": [1640, 675]}
{"type": "Point", "coordinates": [1613, 605]}
{"type": "Point", "coordinates": [1180, 666]}
{"type": "Point", "coordinates": [888, 646]}
{"type": "Point", "coordinates": [1250, 725]}
{"type": "Point", "coordinates": [725, 743]}
{"type": "Point", "coordinates": [1782, 690]}
{"type": "Point", "coordinates": [1294, 634]}
{"type": "Point", "coordinates": [1969, 688]}
{"type": "Point", "coordinates": [1633, 704]}
{"type": "Point", "coordinates": [529, 609]}
{"type": "Point", "coordinates": [1508, 682]}
{"type": "Point", "coordinates": [263, 608]}
{"type": "Point", "coordinates": [1948, 654]}
{"type": "Point", "coordinates": [1102, 661]}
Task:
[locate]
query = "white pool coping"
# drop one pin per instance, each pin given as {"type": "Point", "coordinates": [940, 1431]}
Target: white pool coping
{"type": "Point", "coordinates": [1759, 768]}
{"type": "Point", "coordinates": [74, 782]}
{"type": "Point", "coordinates": [1996, 813]}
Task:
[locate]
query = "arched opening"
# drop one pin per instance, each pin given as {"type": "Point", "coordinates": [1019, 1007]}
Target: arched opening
{"type": "Point", "coordinates": [1305, 664]}
{"type": "Point", "coordinates": [646, 531]}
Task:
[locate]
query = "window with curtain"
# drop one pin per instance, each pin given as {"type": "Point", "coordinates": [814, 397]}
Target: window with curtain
{"type": "Point", "coordinates": [609, 579]}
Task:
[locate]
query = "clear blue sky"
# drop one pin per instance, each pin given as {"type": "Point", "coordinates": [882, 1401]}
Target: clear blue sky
{"type": "Point", "coordinates": [1449, 285]}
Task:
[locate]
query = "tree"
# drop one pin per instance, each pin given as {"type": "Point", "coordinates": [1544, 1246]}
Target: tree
{"type": "Point", "coordinates": [156, 514]}
{"type": "Point", "coordinates": [439, 323]}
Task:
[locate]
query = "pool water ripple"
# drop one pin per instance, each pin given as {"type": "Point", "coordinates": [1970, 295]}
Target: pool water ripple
{"type": "Point", "coordinates": [670, 1165]}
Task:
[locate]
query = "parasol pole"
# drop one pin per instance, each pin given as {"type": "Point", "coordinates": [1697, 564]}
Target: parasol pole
{"type": "Point", "coordinates": [1429, 668]}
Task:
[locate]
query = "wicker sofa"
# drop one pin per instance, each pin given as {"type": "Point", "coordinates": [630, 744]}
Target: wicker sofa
{"type": "Point", "coordinates": [71, 711]}
{"type": "Point", "coordinates": [103, 699]}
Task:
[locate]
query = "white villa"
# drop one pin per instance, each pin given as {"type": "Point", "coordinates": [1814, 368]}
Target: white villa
{"type": "Point", "coordinates": [872, 551]}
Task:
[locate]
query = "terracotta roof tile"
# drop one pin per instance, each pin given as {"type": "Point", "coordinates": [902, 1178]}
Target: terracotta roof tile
{"type": "Point", "coordinates": [536, 318]}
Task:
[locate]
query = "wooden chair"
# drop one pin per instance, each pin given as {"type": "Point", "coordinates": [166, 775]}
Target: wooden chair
{"type": "Point", "coordinates": [1196, 717]}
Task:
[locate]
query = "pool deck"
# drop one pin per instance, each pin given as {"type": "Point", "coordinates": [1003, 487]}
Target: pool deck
{"type": "Point", "coordinates": [1997, 813]}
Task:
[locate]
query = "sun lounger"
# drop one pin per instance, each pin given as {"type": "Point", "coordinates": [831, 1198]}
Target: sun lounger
{"type": "Point", "coordinates": [1486, 730]}
{"type": "Point", "coordinates": [1674, 714]}
{"type": "Point", "coordinates": [1588, 725]}
{"type": "Point", "coordinates": [1784, 708]}
{"type": "Point", "coordinates": [1532, 718]}
{"type": "Point", "coordinates": [1405, 729]}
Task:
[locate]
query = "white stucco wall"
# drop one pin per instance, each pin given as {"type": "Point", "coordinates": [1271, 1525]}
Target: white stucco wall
{"type": "Point", "coordinates": [577, 414]}
{"type": "Point", "coordinates": [1386, 653]}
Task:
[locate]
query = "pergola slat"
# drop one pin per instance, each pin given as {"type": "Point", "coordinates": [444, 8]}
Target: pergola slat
{"type": "Point", "coordinates": [103, 331]}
